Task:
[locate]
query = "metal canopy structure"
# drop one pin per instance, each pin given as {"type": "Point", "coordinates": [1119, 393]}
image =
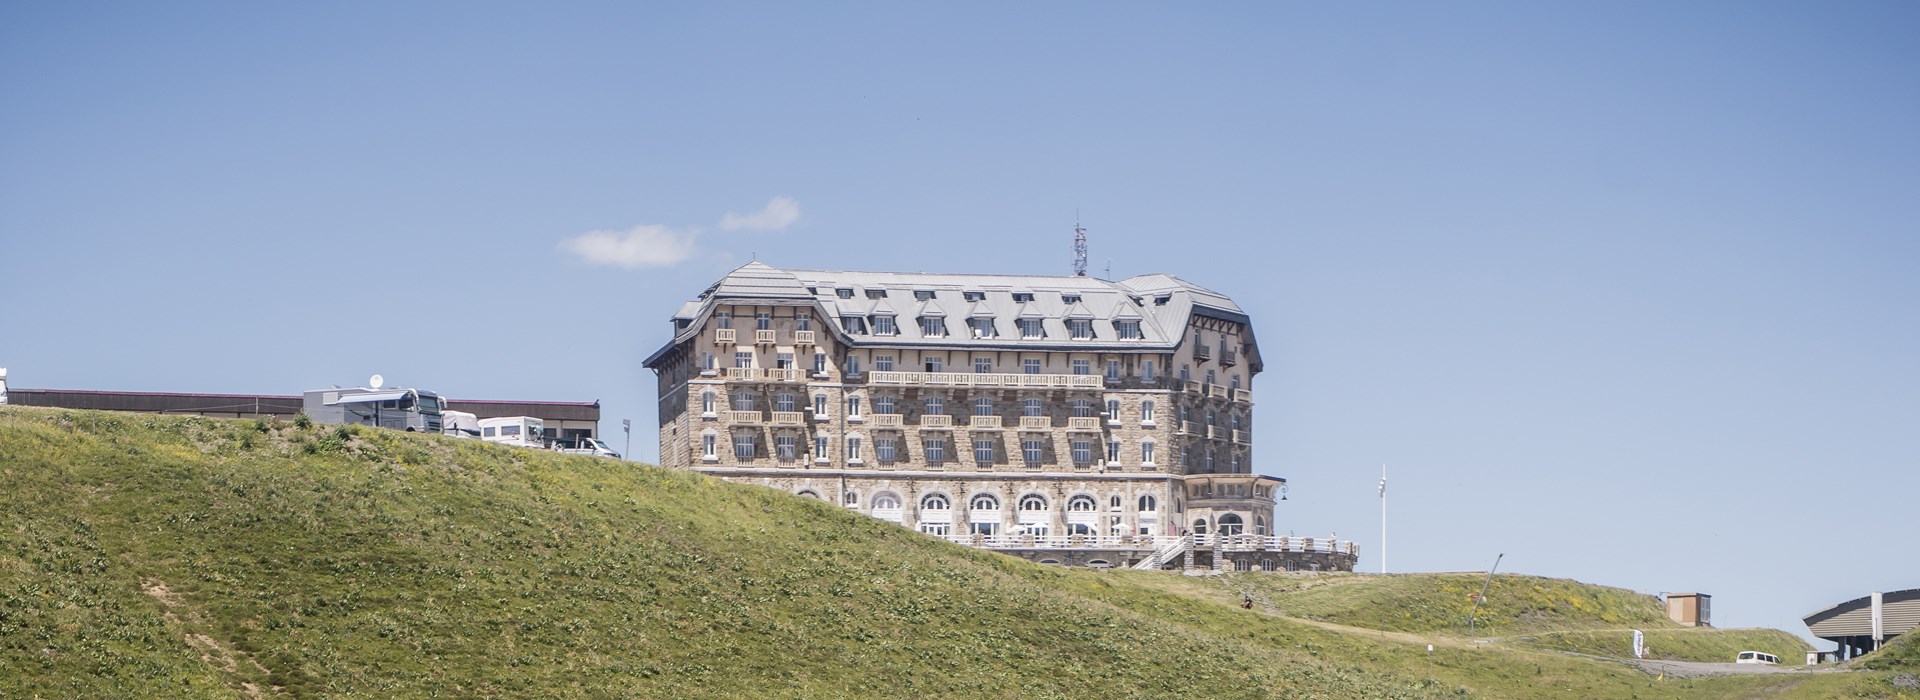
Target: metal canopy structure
{"type": "Point", "coordinates": [1868, 622]}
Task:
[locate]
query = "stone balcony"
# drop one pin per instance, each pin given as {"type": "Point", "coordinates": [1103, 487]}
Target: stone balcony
{"type": "Point", "coordinates": [742, 417]}
{"type": "Point", "coordinates": [803, 337]}
{"type": "Point", "coordinates": [725, 336]}
{"type": "Point", "coordinates": [972, 379]}
{"type": "Point", "coordinates": [936, 422]}
{"type": "Point", "coordinates": [886, 420]}
{"type": "Point", "coordinates": [1243, 437]}
{"type": "Point", "coordinates": [793, 418]}
{"type": "Point", "coordinates": [757, 374]}
{"type": "Point", "coordinates": [1082, 424]}
{"type": "Point", "coordinates": [986, 422]}
{"type": "Point", "coordinates": [766, 337]}
{"type": "Point", "coordinates": [1036, 423]}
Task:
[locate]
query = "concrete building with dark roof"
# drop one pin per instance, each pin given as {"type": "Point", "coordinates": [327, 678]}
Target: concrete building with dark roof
{"type": "Point", "coordinates": [1066, 419]}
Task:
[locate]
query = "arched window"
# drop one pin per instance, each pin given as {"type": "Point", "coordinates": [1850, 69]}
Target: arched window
{"type": "Point", "coordinates": [1260, 527]}
{"type": "Point", "coordinates": [1082, 408]}
{"type": "Point", "coordinates": [808, 493]}
{"type": "Point", "coordinates": [935, 501]}
{"type": "Point", "coordinates": [1149, 504]}
{"type": "Point", "coordinates": [984, 501]}
{"type": "Point", "coordinates": [1114, 503]}
{"type": "Point", "coordinates": [1199, 526]}
{"type": "Point", "coordinates": [983, 406]}
{"type": "Point", "coordinates": [1146, 411]}
{"type": "Point", "coordinates": [1082, 504]}
{"type": "Point", "coordinates": [1033, 502]}
{"type": "Point", "coordinates": [706, 402]}
{"type": "Point", "coordinates": [1113, 409]}
{"type": "Point", "coordinates": [885, 500]}
{"type": "Point", "coordinates": [1231, 524]}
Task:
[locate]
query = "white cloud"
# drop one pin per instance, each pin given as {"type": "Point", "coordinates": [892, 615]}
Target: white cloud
{"type": "Point", "coordinates": [779, 213]}
{"type": "Point", "coordinates": [647, 245]}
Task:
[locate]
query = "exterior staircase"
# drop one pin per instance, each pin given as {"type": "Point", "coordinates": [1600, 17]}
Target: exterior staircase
{"type": "Point", "coordinates": [1166, 553]}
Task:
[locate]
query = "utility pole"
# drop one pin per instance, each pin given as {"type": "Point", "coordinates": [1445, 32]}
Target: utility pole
{"type": "Point", "coordinates": [1473, 618]}
{"type": "Point", "coordinates": [626, 426]}
{"type": "Point", "coordinates": [1383, 518]}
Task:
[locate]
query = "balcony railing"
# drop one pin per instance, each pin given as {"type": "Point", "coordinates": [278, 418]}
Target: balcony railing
{"type": "Point", "coordinates": [724, 336]}
{"type": "Point", "coordinates": [1187, 427]}
{"type": "Point", "coordinates": [763, 337]}
{"type": "Point", "coordinates": [1083, 424]}
{"type": "Point", "coordinates": [1216, 432]}
{"type": "Point", "coordinates": [985, 422]}
{"type": "Point", "coordinates": [803, 337]}
{"type": "Point", "coordinates": [1228, 358]}
{"type": "Point", "coordinates": [1036, 423]}
{"type": "Point", "coordinates": [886, 420]}
{"type": "Point", "coordinates": [1202, 352]}
{"type": "Point", "coordinates": [742, 417]}
{"type": "Point", "coordinates": [1243, 395]}
{"type": "Point", "coordinates": [937, 422]}
{"type": "Point", "coordinates": [1216, 391]}
{"type": "Point", "coordinates": [757, 374]}
{"type": "Point", "coordinates": [1009, 381]}
{"type": "Point", "coordinates": [789, 418]}
{"type": "Point", "coordinates": [1230, 543]}
{"type": "Point", "coordinates": [1243, 437]}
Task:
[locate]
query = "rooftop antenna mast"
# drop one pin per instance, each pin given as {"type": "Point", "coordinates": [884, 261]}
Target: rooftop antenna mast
{"type": "Point", "coordinates": [1079, 247]}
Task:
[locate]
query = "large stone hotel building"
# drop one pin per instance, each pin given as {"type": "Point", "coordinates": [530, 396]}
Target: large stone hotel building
{"type": "Point", "coordinates": [1067, 420]}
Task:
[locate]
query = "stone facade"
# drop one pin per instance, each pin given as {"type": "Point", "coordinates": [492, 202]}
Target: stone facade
{"type": "Point", "coordinates": [974, 405]}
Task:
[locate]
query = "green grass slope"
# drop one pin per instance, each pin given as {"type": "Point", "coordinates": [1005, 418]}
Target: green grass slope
{"type": "Point", "coordinates": [1688, 644]}
{"type": "Point", "coordinates": [1901, 654]}
{"type": "Point", "coordinates": [1442, 602]}
{"type": "Point", "coordinates": [145, 556]}
{"type": "Point", "coordinates": [190, 557]}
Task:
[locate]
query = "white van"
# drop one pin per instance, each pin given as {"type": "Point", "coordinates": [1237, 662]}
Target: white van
{"type": "Point", "coordinates": [1756, 657]}
{"type": "Point", "coordinates": [519, 431]}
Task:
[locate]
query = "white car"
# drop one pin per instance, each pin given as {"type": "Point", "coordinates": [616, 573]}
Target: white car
{"type": "Point", "coordinates": [1757, 657]}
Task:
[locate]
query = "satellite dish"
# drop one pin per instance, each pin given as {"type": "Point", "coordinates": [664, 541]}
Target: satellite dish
{"type": "Point", "coordinates": [375, 381]}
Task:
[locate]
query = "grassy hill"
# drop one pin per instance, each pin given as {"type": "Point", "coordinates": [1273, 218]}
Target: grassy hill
{"type": "Point", "coordinates": [145, 556]}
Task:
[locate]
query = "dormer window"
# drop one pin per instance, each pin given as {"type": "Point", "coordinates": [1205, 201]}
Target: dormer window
{"type": "Point", "coordinates": [1022, 297]}
{"type": "Point", "coordinates": [922, 294]}
{"type": "Point", "coordinates": [883, 325]}
{"type": "Point", "coordinates": [981, 327]}
{"type": "Point", "coordinates": [876, 294]}
{"type": "Point", "coordinates": [854, 325]}
{"type": "Point", "coordinates": [1127, 330]}
{"type": "Point", "coordinates": [974, 296]}
{"type": "Point", "coordinates": [1069, 298]}
{"type": "Point", "coordinates": [1030, 328]}
{"type": "Point", "coordinates": [1162, 300]}
{"type": "Point", "coordinates": [1080, 328]}
{"type": "Point", "coordinates": [933, 327]}
{"type": "Point", "coordinates": [844, 292]}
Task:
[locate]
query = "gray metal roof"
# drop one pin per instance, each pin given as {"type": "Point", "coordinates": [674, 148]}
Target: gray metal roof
{"type": "Point", "coordinates": [1900, 613]}
{"type": "Point", "coordinates": [1161, 303]}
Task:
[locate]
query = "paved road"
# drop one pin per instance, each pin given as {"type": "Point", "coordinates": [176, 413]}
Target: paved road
{"type": "Point", "coordinates": [1690, 669]}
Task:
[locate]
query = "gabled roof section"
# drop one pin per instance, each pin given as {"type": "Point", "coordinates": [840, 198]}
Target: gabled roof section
{"type": "Point", "coordinates": [882, 308]}
{"type": "Point", "coordinates": [931, 309]}
{"type": "Point", "coordinates": [1125, 312]}
{"type": "Point", "coordinates": [1028, 310]}
{"type": "Point", "coordinates": [980, 310]}
{"type": "Point", "coordinates": [758, 279]}
{"type": "Point", "coordinates": [1078, 310]}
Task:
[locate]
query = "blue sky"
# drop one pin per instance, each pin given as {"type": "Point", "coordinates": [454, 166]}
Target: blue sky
{"type": "Point", "coordinates": [1623, 290]}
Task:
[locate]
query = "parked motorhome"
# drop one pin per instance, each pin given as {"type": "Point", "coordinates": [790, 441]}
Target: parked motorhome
{"type": "Point", "coordinates": [460, 424]}
{"type": "Point", "coordinates": [519, 431]}
{"type": "Point", "coordinates": [412, 410]}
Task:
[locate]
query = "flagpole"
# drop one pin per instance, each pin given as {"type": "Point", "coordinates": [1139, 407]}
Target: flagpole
{"type": "Point", "coordinates": [1383, 518]}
